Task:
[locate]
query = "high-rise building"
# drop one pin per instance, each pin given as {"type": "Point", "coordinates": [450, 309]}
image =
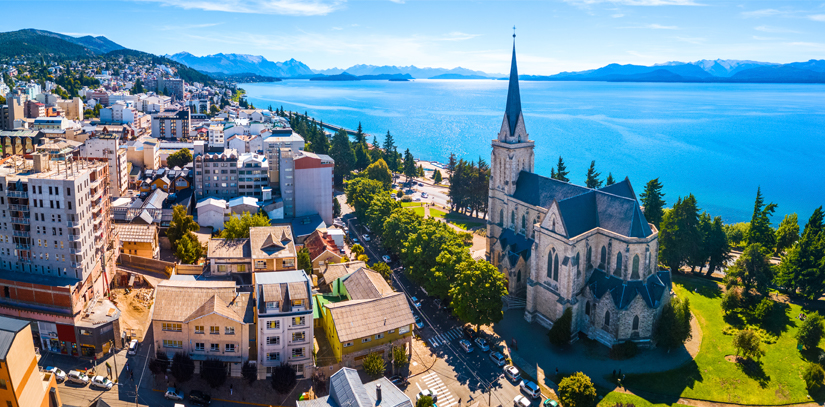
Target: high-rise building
{"type": "Point", "coordinates": [108, 146]}
{"type": "Point", "coordinates": [306, 184]}
{"type": "Point", "coordinates": [171, 124]}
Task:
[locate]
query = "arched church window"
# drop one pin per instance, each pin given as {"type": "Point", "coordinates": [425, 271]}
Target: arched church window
{"type": "Point", "coordinates": [635, 273]}
{"type": "Point", "coordinates": [550, 265]}
{"type": "Point", "coordinates": [618, 264]}
{"type": "Point", "coordinates": [513, 220]}
{"type": "Point", "coordinates": [524, 223]}
{"type": "Point", "coordinates": [518, 277]}
{"type": "Point", "coordinates": [587, 308]}
{"type": "Point", "coordinates": [553, 225]}
{"type": "Point", "coordinates": [603, 261]}
{"type": "Point", "coordinates": [607, 318]}
{"type": "Point", "coordinates": [501, 217]}
{"type": "Point", "coordinates": [589, 256]}
{"type": "Point", "coordinates": [556, 267]}
{"type": "Point", "coordinates": [636, 323]}
{"type": "Point", "coordinates": [578, 265]}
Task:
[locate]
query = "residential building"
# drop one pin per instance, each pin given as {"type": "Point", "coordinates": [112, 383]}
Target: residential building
{"type": "Point", "coordinates": [169, 86]}
{"type": "Point", "coordinates": [16, 109]}
{"type": "Point", "coordinates": [322, 249]}
{"type": "Point", "coordinates": [215, 136]}
{"type": "Point", "coordinates": [205, 319]}
{"type": "Point", "coordinates": [108, 146]}
{"type": "Point", "coordinates": [118, 113]}
{"type": "Point", "coordinates": [138, 240]}
{"type": "Point", "coordinates": [51, 123]}
{"type": "Point", "coordinates": [216, 175]}
{"type": "Point", "coordinates": [35, 109]}
{"type": "Point", "coordinates": [243, 204]}
{"type": "Point", "coordinates": [212, 213]}
{"type": "Point", "coordinates": [245, 143]}
{"type": "Point", "coordinates": [229, 256]}
{"type": "Point", "coordinates": [20, 142]}
{"type": "Point", "coordinates": [306, 184]}
{"type": "Point", "coordinates": [285, 322]}
{"type": "Point", "coordinates": [22, 384]}
{"type": "Point", "coordinates": [272, 145]}
{"type": "Point", "coordinates": [372, 319]}
{"type": "Point", "coordinates": [273, 248]}
{"type": "Point", "coordinates": [253, 176]}
{"type": "Point", "coordinates": [331, 272]}
{"type": "Point", "coordinates": [72, 109]}
{"type": "Point", "coordinates": [347, 390]}
{"type": "Point", "coordinates": [171, 124]}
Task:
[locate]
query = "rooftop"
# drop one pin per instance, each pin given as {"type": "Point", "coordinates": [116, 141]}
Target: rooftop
{"type": "Point", "coordinates": [181, 301]}
{"type": "Point", "coordinates": [137, 232]}
{"type": "Point", "coordinates": [272, 242]}
{"type": "Point", "coordinates": [362, 318]}
{"type": "Point", "coordinates": [229, 248]}
{"type": "Point", "coordinates": [9, 327]}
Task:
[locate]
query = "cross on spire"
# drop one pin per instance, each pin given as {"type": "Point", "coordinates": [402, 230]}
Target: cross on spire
{"type": "Point", "coordinates": [514, 31]}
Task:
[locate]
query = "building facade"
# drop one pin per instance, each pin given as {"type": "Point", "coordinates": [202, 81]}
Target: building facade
{"type": "Point", "coordinates": [174, 124]}
{"type": "Point", "coordinates": [272, 145]}
{"type": "Point", "coordinates": [306, 184]}
{"type": "Point", "coordinates": [22, 384]}
{"type": "Point", "coordinates": [108, 146]}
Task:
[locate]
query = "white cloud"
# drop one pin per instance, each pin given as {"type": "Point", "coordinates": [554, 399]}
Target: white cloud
{"type": "Point", "coordinates": [398, 1]}
{"type": "Point", "coordinates": [639, 2]}
{"type": "Point", "coordinates": [817, 17]}
{"type": "Point", "coordinates": [458, 36]}
{"type": "Point", "coordinates": [769, 29]}
{"type": "Point", "coordinates": [187, 26]}
{"type": "Point", "coordinates": [284, 7]}
{"type": "Point", "coordinates": [337, 28]}
{"type": "Point", "coordinates": [617, 15]}
{"type": "Point", "coordinates": [692, 40]}
{"type": "Point", "coordinates": [760, 13]}
{"type": "Point", "coordinates": [655, 27]}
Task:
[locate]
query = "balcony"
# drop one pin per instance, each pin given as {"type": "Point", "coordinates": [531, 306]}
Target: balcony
{"type": "Point", "coordinates": [73, 238]}
{"type": "Point", "coordinates": [76, 265]}
{"type": "Point", "coordinates": [72, 224]}
{"type": "Point", "coordinates": [25, 259]}
{"type": "Point", "coordinates": [17, 194]}
{"type": "Point", "coordinates": [22, 233]}
{"type": "Point", "coordinates": [21, 221]}
{"type": "Point", "coordinates": [19, 208]}
{"type": "Point", "coordinates": [23, 246]}
{"type": "Point", "coordinates": [74, 251]}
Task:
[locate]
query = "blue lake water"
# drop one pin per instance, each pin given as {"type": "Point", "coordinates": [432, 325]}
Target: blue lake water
{"type": "Point", "coordinates": [717, 141]}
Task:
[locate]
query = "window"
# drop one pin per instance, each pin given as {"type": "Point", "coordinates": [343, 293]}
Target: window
{"type": "Point", "coordinates": [365, 340]}
{"type": "Point", "coordinates": [297, 303]}
{"type": "Point", "coordinates": [273, 324]}
{"type": "Point", "coordinates": [198, 329]}
{"type": "Point", "coordinates": [289, 263]}
{"type": "Point", "coordinates": [214, 347]}
{"type": "Point", "coordinates": [556, 267]}
{"type": "Point", "coordinates": [272, 305]}
{"type": "Point", "coordinates": [513, 219]}
{"type": "Point", "coordinates": [298, 352]}
{"type": "Point", "coordinates": [215, 330]}
{"type": "Point", "coordinates": [273, 356]}
{"type": "Point", "coordinates": [172, 344]}
{"type": "Point", "coordinates": [501, 217]}
{"type": "Point", "coordinates": [635, 273]}
{"type": "Point", "coordinates": [168, 326]}
{"type": "Point", "coordinates": [200, 347]}
{"type": "Point", "coordinates": [298, 321]}
{"type": "Point", "coordinates": [391, 331]}
{"type": "Point", "coordinates": [403, 330]}
{"type": "Point", "coordinates": [589, 256]}
{"type": "Point", "coordinates": [607, 319]}
{"type": "Point", "coordinates": [3, 384]}
{"type": "Point", "coordinates": [524, 223]}
{"type": "Point", "coordinates": [618, 264]}
{"type": "Point", "coordinates": [241, 268]}
{"type": "Point", "coordinates": [348, 344]}
{"type": "Point", "coordinates": [229, 330]}
{"type": "Point", "coordinates": [222, 268]}
{"type": "Point", "coordinates": [230, 347]}
{"type": "Point", "coordinates": [550, 264]}
{"type": "Point", "coordinates": [298, 336]}
{"type": "Point", "coordinates": [587, 308]}
{"type": "Point", "coordinates": [379, 336]}
{"type": "Point", "coordinates": [260, 264]}
{"type": "Point", "coordinates": [273, 340]}
{"type": "Point", "coordinates": [603, 260]}
{"type": "Point", "coordinates": [636, 323]}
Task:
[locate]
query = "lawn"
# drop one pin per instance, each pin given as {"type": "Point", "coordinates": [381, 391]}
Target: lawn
{"type": "Point", "coordinates": [437, 213]}
{"type": "Point", "coordinates": [462, 221]}
{"type": "Point", "coordinates": [775, 380]}
{"type": "Point", "coordinates": [612, 398]}
{"type": "Point", "coordinates": [409, 204]}
{"type": "Point", "coordinates": [419, 210]}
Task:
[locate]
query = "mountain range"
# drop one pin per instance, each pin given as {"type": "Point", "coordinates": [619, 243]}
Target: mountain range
{"type": "Point", "coordinates": [33, 42]}
{"type": "Point", "coordinates": [242, 64]}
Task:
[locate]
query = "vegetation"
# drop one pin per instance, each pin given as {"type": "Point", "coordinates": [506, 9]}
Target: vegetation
{"type": "Point", "coordinates": [609, 180]}
{"type": "Point", "coordinates": [748, 344]}
{"type": "Point", "coordinates": [673, 328]}
{"type": "Point", "coordinates": [374, 364]}
{"type": "Point", "coordinates": [813, 375]}
{"type": "Point", "coordinates": [802, 270]}
{"type": "Point", "coordinates": [213, 372]}
{"type": "Point", "coordinates": [437, 179]}
{"type": "Point", "coordinates": [399, 356]}
{"type": "Point", "coordinates": [304, 262]}
{"type": "Point", "coordinates": [811, 331]}
{"type": "Point", "coordinates": [592, 180]}
{"type": "Point", "coordinates": [476, 295]}
{"type": "Point", "coordinates": [687, 238]}
{"type": "Point", "coordinates": [561, 331]}
{"type": "Point", "coordinates": [180, 225]}
{"type": "Point", "coordinates": [653, 201]}
{"type": "Point", "coordinates": [381, 268]}
{"type": "Point", "coordinates": [425, 401]}
{"type": "Point", "coordinates": [312, 132]}
{"type": "Point", "coordinates": [379, 171]}
{"type": "Point", "coordinates": [787, 233]}
{"type": "Point", "coordinates": [752, 272]}
{"type": "Point", "coordinates": [179, 158]}
{"type": "Point", "coordinates": [183, 367]}
{"type": "Point", "coordinates": [577, 390]}
{"type": "Point", "coordinates": [237, 227]}
{"type": "Point", "coordinates": [470, 187]}
{"type": "Point", "coordinates": [159, 363]}
{"type": "Point", "coordinates": [189, 250]}
{"type": "Point", "coordinates": [341, 151]}
{"type": "Point", "coordinates": [760, 230]}
{"type": "Point", "coordinates": [360, 193]}
{"type": "Point", "coordinates": [249, 372]}
{"type": "Point", "coordinates": [560, 172]}
{"type": "Point", "coordinates": [283, 378]}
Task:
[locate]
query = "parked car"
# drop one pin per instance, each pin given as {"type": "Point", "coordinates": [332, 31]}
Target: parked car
{"type": "Point", "coordinates": [470, 333]}
{"type": "Point", "coordinates": [418, 322]}
{"type": "Point", "coordinates": [173, 394]}
{"type": "Point", "coordinates": [354, 240]}
{"type": "Point", "coordinates": [550, 403]}
{"type": "Point", "coordinates": [417, 199]}
{"type": "Point", "coordinates": [521, 401]}
{"type": "Point", "coordinates": [199, 398]}
{"type": "Point", "coordinates": [530, 388]}
{"type": "Point", "coordinates": [466, 345]}
{"type": "Point", "coordinates": [482, 344]}
{"type": "Point", "coordinates": [59, 375]}
{"type": "Point", "coordinates": [133, 347]}
{"type": "Point", "coordinates": [102, 382]}
{"type": "Point", "coordinates": [512, 373]}
{"type": "Point", "coordinates": [499, 360]}
{"type": "Point", "coordinates": [397, 379]}
{"type": "Point", "coordinates": [386, 258]}
{"type": "Point", "coordinates": [424, 195]}
{"type": "Point", "coordinates": [367, 238]}
{"type": "Point", "coordinates": [78, 377]}
{"type": "Point", "coordinates": [427, 392]}
{"type": "Point", "coordinates": [416, 302]}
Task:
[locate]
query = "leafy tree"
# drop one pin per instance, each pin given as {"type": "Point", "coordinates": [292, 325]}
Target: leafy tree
{"type": "Point", "coordinates": [237, 227]}
{"type": "Point", "coordinates": [249, 372]}
{"type": "Point", "coordinates": [752, 270]}
{"type": "Point", "coordinates": [380, 209]}
{"type": "Point", "coordinates": [561, 331]}
{"type": "Point", "coordinates": [787, 233]}
{"type": "Point", "coordinates": [477, 293]}
{"type": "Point", "coordinates": [577, 390]}
{"type": "Point", "coordinates": [593, 180]}
{"type": "Point", "coordinates": [609, 180]}
{"type": "Point", "coordinates": [214, 110]}
{"type": "Point", "coordinates": [444, 273]}
{"type": "Point", "coordinates": [336, 207]}
{"type": "Point", "coordinates": [398, 227]}
{"type": "Point", "coordinates": [437, 177]}
{"type": "Point", "coordinates": [560, 172]}
{"type": "Point", "coordinates": [451, 163]}
{"type": "Point", "coordinates": [717, 246]}
{"type": "Point", "coordinates": [748, 344]}
{"type": "Point", "coordinates": [304, 261]}
{"type": "Point", "coordinates": [363, 258]}
{"type": "Point", "coordinates": [189, 249]}
{"type": "Point", "coordinates": [802, 269]}
{"type": "Point", "coordinates": [763, 310]}
{"type": "Point", "coordinates": [422, 249]}
{"type": "Point", "coordinates": [159, 363]}
{"type": "Point", "coordinates": [810, 333]}
{"type": "Point", "coordinates": [357, 250]}
{"type": "Point", "coordinates": [679, 235]}
{"type": "Point", "coordinates": [343, 155]}
{"type": "Point", "coordinates": [732, 300]}
{"type": "Point", "coordinates": [180, 225]}
{"type": "Point", "coordinates": [470, 186]}
{"type": "Point", "coordinates": [419, 171]}
{"type": "Point", "coordinates": [736, 233]}
{"type": "Point", "coordinates": [213, 372]}
{"type": "Point", "coordinates": [183, 367]}
{"type": "Point", "coordinates": [360, 193]}
{"type": "Point", "coordinates": [653, 202]}
{"type": "Point", "coordinates": [813, 375]}
{"type": "Point", "coordinates": [379, 171]}
{"type": "Point", "coordinates": [673, 328]}
{"type": "Point", "coordinates": [283, 378]}
{"type": "Point", "coordinates": [374, 364]}
{"type": "Point", "coordinates": [399, 356]}
{"type": "Point", "coordinates": [382, 268]}
{"type": "Point", "coordinates": [761, 231]}
{"type": "Point", "coordinates": [425, 401]}
{"type": "Point", "coordinates": [410, 171]}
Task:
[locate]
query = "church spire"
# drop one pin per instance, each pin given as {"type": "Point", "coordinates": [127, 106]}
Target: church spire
{"type": "Point", "coordinates": [513, 110]}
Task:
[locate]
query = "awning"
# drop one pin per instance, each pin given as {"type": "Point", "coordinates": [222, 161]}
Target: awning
{"type": "Point", "coordinates": [66, 333]}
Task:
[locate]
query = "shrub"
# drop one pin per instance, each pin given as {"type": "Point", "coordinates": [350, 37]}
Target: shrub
{"type": "Point", "coordinates": [374, 364]}
{"type": "Point", "coordinates": [577, 390]}
{"type": "Point", "coordinates": [624, 350]}
{"type": "Point", "coordinates": [763, 310]}
{"type": "Point", "coordinates": [159, 363]}
{"type": "Point", "coordinates": [283, 378]}
{"type": "Point", "coordinates": [813, 375]}
{"type": "Point", "coordinates": [425, 401]}
{"type": "Point", "coordinates": [732, 300]}
{"type": "Point", "coordinates": [748, 343]}
{"type": "Point", "coordinates": [213, 372]}
{"type": "Point", "coordinates": [249, 371]}
{"type": "Point", "coordinates": [810, 333]}
{"type": "Point", "coordinates": [406, 198]}
{"type": "Point", "coordinates": [183, 367]}
{"type": "Point", "coordinates": [399, 194]}
{"type": "Point", "coordinates": [560, 332]}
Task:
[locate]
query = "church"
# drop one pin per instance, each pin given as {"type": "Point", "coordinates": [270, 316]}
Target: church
{"type": "Point", "coordinates": [563, 246]}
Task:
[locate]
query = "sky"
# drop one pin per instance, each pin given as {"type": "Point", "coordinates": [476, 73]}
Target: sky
{"type": "Point", "coordinates": [552, 36]}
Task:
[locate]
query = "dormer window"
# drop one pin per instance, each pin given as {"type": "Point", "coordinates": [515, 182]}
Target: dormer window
{"type": "Point", "coordinates": [297, 303]}
{"type": "Point", "coordinates": [272, 305]}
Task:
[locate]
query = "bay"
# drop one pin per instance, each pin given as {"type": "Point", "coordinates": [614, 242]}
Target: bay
{"type": "Point", "coordinates": [717, 141]}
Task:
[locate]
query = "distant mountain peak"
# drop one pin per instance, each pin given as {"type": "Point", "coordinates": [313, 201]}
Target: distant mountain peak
{"type": "Point", "coordinates": [230, 63]}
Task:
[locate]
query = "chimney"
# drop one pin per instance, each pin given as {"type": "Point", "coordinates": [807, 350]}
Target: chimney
{"type": "Point", "coordinates": [378, 393]}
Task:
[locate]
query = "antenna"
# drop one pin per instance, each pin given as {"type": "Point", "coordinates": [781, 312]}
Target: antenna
{"type": "Point", "coordinates": [514, 31]}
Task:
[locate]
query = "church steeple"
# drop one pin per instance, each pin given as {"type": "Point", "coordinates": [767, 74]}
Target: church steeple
{"type": "Point", "coordinates": [512, 129]}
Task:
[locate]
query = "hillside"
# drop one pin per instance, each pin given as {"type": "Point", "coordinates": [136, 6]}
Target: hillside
{"type": "Point", "coordinates": [25, 43]}
{"type": "Point", "coordinates": [242, 64]}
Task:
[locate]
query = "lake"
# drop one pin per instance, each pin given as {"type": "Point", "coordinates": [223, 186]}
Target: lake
{"type": "Point", "coordinates": [717, 141]}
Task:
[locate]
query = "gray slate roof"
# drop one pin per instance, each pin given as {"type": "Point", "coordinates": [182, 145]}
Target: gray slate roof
{"type": "Point", "coordinates": [513, 109]}
{"type": "Point", "coordinates": [624, 292]}
{"type": "Point", "coordinates": [347, 390]}
{"type": "Point", "coordinates": [9, 327]}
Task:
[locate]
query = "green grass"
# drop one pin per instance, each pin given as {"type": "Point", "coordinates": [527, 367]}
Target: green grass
{"type": "Point", "coordinates": [610, 400]}
{"type": "Point", "coordinates": [437, 213]}
{"type": "Point", "coordinates": [419, 210]}
{"type": "Point", "coordinates": [775, 380]}
{"type": "Point", "coordinates": [409, 204]}
{"type": "Point", "coordinates": [462, 221]}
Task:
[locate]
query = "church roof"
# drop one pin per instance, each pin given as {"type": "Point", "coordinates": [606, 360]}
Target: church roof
{"type": "Point", "coordinates": [515, 246]}
{"type": "Point", "coordinates": [624, 292]}
{"type": "Point", "coordinates": [513, 109]}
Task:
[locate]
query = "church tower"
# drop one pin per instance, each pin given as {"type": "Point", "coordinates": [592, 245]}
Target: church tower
{"type": "Point", "coordinates": [512, 150]}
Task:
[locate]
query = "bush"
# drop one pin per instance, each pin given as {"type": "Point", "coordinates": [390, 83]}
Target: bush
{"type": "Point", "coordinates": [813, 375]}
{"type": "Point", "coordinates": [399, 194]}
{"type": "Point", "coordinates": [374, 364]}
{"type": "Point", "coordinates": [732, 300]}
{"type": "Point", "coordinates": [748, 343]}
{"type": "Point", "coordinates": [283, 378]}
{"type": "Point", "coordinates": [560, 332]}
{"type": "Point", "coordinates": [249, 371]}
{"type": "Point", "coordinates": [763, 310]}
{"type": "Point", "coordinates": [159, 363]}
{"type": "Point", "coordinates": [183, 367]}
{"type": "Point", "coordinates": [810, 333]}
{"type": "Point", "coordinates": [624, 350]}
{"type": "Point", "coordinates": [213, 372]}
{"type": "Point", "coordinates": [425, 401]}
{"type": "Point", "coordinates": [577, 390]}
{"type": "Point", "coordinates": [406, 198]}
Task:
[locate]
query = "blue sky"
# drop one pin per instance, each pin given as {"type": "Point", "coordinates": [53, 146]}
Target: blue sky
{"type": "Point", "coordinates": [553, 36]}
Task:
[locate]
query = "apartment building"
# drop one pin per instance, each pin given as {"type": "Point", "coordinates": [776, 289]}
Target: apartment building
{"type": "Point", "coordinates": [272, 145]}
{"type": "Point", "coordinates": [171, 124]}
{"type": "Point", "coordinates": [22, 384]}
{"type": "Point", "coordinates": [216, 175]}
{"type": "Point", "coordinates": [57, 252]}
{"type": "Point", "coordinates": [35, 109]}
{"type": "Point", "coordinates": [215, 136]}
{"type": "Point", "coordinates": [72, 109]}
{"type": "Point", "coordinates": [118, 113]}
{"type": "Point", "coordinates": [109, 146]}
{"type": "Point", "coordinates": [205, 319]}
{"type": "Point", "coordinates": [20, 142]}
{"type": "Point", "coordinates": [273, 248]}
{"type": "Point", "coordinates": [285, 324]}
{"type": "Point", "coordinates": [253, 176]}
{"type": "Point", "coordinates": [15, 111]}
{"type": "Point", "coordinates": [139, 240]}
{"type": "Point", "coordinates": [306, 184]}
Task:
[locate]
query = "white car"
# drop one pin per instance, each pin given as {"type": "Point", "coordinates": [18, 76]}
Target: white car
{"type": "Point", "coordinates": [173, 394]}
{"type": "Point", "coordinates": [427, 392]}
{"type": "Point", "coordinates": [424, 195]}
{"type": "Point", "coordinates": [530, 388]}
{"type": "Point", "coordinates": [416, 302]}
{"type": "Point", "coordinates": [512, 373]}
{"type": "Point", "coordinates": [499, 360]}
{"type": "Point", "coordinates": [521, 401]}
{"type": "Point", "coordinates": [78, 377]}
{"type": "Point", "coordinates": [386, 258]}
{"type": "Point", "coordinates": [59, 375]}
{"type": "Point", "coordinates": [466, 345]}
{"type": "Point", "coordinates": [102, 382]}
{"type": "Point", "coordinates": [367, 238]}
{"type": "Point", "coordinates": [482, 344]}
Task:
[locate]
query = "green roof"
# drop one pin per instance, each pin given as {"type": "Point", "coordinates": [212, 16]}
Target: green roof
{"type": "Point", "coordinates": [323, 299]}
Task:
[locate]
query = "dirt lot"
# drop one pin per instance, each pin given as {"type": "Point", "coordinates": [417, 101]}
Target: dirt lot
{"type": "Point", "coordinates": [134, 305]}
{"type": "Point", "coordinates": [422, 358]}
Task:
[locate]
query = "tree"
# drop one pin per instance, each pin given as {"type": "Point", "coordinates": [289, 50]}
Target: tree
{"type": "Point", "coordinates": [679, 236]}
{"type": "Point", "coordinates": [374, 364]}
{"type": "Point", "coordinates": [398, 228]}
{"type": "Point", "coordinates": [802, 270]}
{"type": "Point", "coordinates": [179, 158]}
{"type": "Point", "coordinates": [379, 210]}
{"type": "Point", "coordinates": [360, 193]}
{"type": "Point", "coordinates": [159, 363]}
{"type": "Point", "coordinates": [183, 367]}
{"type": "Point", "coordinates": [451, 163]}
{"type": "Point", "coordinates": [180, 225]}
{"type": "Point", "coordinates": [425, 401]}
{"type": "Point", "coordinates": [748, 344]}
{"type": "Point", "coordinates": [760, 230]}
{"type": "Point", "coordinates": [336, 207]}
{"type": "Point", "coordinates": [421, 249]}
{"type": "Point", "coordinates": [437, 177]}
{"type": "Point", "coordinates": [653, 202]}
{"type": "Point", "coordinates": [381, 268]}
{"type": "Point", "coordinates": [813, 375]}
{"type": "Point", "coordinates": [362, 156]}
{"type": "Point", "coordinates": [249, 372]}
{"type": "Point", "coordinates": [673, 328]}
{"type": "Point", "coordinates": [399, 356]}
{"type": "Point", "coordinates": [763, 310]}
{"type": "Point", "coordinates": [787, 233]}
{"type": "Point", "coordinates": [810, 333]}
{"type": "Point", "coordinates": [717, 246]}
{"type": "Point", "coordinates": [138, 87]}
{"type": "Point", "coordinates": [476, 296]}
{"type": "Point", "coordinates": [304, 262]}
{"type": "Point", "coordinates": [189, 249]}
{"type": "Point", "coordinates": [214, 109]}
{"type": "Point", "coordinates": [360, 137]}
{"type": "Point", "coordinates": [379, 171]}
{"type": "Point", "coordinates": [213, 372]}
{"type": "Point", "coordinates": [390, 152]}
{"type": "Point", "coordinates": [732, 300]}
{"type": "Point", "coordinates": [561, 331]}
{"type": "Point", "coordinates": [343, 155]}
{"type": "Point", "coordinates": [752, 270]}
{"type": "Point", "coordinates": [357, 250]}
{"type": "Point", "coordinates": [577, 390]}
{"type": "Point", "coordinates": [283, 378]}
{"type": "Point", "coordinates": [592, 180]}
{"type": "Point", "coordinates": [362, 257]}
{"type": "Point", "coordinates": [560, 172]}
{"type": "Point", "coordinates": [609, 180]}
{"type": "Point", "coordinates": [444, 273]}
{"type": "Point", "coordinates": [736, 233]}
{"type": "Point", "coordinates": [237, 227]}
{"type": "Point", "coordinates": [409, 165]}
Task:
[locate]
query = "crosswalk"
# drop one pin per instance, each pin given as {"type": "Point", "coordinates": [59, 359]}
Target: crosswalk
{"type": "Point", "coordinates": [442, 339]}
{"type": "Point", "coordinates": [433, 382]}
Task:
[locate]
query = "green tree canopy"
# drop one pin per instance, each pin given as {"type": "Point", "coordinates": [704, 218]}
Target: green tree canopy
{"type": "Point", "coordinates": [577, 390]}
{"type": "Point", "coordinates": [653, 201]}
{"type": "Point", "coordinates": [180, 225]}
{"type": "Point", "coordinates": [343, 155]}
{"type": "Point", "coordinates": [380, 209]}
{"type": "Point", "coordinates": [304, 261]}
{"type": "Point", "coordinates": [760, 230]}
{"type": "Point", "coordinates": [592, 180]}
{"type": "Point", "coordinates": [810, 333]}
{"type": "Point", "coordinates": [610, 180]}
{"type": "Point", "coordinates": [237, 227]}
{"type": "Point", "coordinates": [736, 233]}
{"type": "Point", "coordinates": [284, 378]}
{"type": "Point", "coordinates": [361, 192]}
{"type": "Point", "coordinates": [445, 271]}
{"type": "Point", "coordinates": [748, 344]}
{"type": "Point", "coordinates": [787, 233]}
{"type": "Point", "coordinates": [379, 171]}
{"type": "Point", "coordinates": [357, 250]}
{"type": "Point", "coordinates": [398, 227]}
{"type": "Point", "coordinates": [213, 372]}
{"type": "Point", "coordinates": [381, 268]}
{"type": "Point", "coordinates": [802, 269]}
{"type": "Point", "coordinates": [560, 172]}
{"type": "Point", "coordinates": [425, 401]}
{"type": "Point", "coordinates": [437, 177]}
{"type": "Point", "coordinates": [673, 328]}
{"type": "Point", "coordinates": [189, 250]}
{"type": "Point", "coordinates": [717, 246]}
{"type": "Point", "coordinates": [751, 271]}
{"type": "Point", "coordinates": [813, 375]}
{"type": "Point", "coordinates": [362, 156]}
{"type": "Point", "coordinates": [409, 165]}
{"type": "Point", "coordinates": [374, 364]}
{"type": "Point", "coordinates": [477, 293]}
{"type": "Point", "coordinates": [679, 235]}
{"type": "Point", "coordinates": [183, 367]}
{"type": "Point", "coordinates": [561, 331]}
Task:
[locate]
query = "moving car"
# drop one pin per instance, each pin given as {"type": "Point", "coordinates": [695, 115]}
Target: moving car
{"type": "Point", "coordinates": [550, 403]}
{"type": "Point", "coordinates": [470, 333]}
{"type": "Point", "coordinates": [482, 344]}
{"type": "Point", "coordinates": [78, 377]}
{"type": "Point", "coordinates": [416, 302]}
{"type": "Point", "coordinates": [418, 322]}
{"type": "Point", "coordinates": [367, 238]}
{"type": "Point", "coordinates": [466, 345]}
{"type": "Point", "coordinates": [133, 347]}
{"type": "Point", "coordinates": [199, 398]}
{"type": "Point", "coordinates": [521, 401]}
{"type": "Point", "coordinates": [386, 258]}
{"type": "Point", "coordinates": [530, 388]}
{"type": "Point", "coordinates": [499, 360]}
{"type": "Point", "coordinates": [59, 375]}
{"type": "Point", "coordinates": [102, 382]}
{"type": "Point", "coordinates": [424, 195]}
{"type": "Point", "coordinates": [427, 392]}
{"type": "Point", "coordinates": [512, 373]}
{"type": "Point", "coordinates": [173, 394]}
{"type": "Point", "coordinates": [354, 240]}
{"type": "Point", "coordinates": [397, 379]}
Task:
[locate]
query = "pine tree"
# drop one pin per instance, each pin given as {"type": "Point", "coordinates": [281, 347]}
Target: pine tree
{"type": "Point", "coordinates": [561, 171]}
{"type": "Point", "coordinates": [761, 231]}
{"type": "Point", "coordinates": [360, 137]}
{"type": "Point", "coordinates": [609, 180]}
{"type": "Point", "coordinates": [437, 177]}
{"type": "Point", "coordinates": [802, 270]}
{"type": "Point", "coordinates": [409, 165]}
{"type": "Point", "coordinates": [593, 180]}
{"type": "Point", "coordinates": [341, 152]}
{"type": "Point", "coordinates": [652, 201]}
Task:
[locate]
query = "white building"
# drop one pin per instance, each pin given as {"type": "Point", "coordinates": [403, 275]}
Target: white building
{"type": "Point", "coordinates": [274, 141]}
{"type": "Point", "coordinates": [253, 176]}
{"type": "Point", "coordinates": [212, 212]}
{"type": "Point", "coordinates": [215, 136]}
{"type": "Point", "coordinates": [119, 112]}
{"type": "Point", "coordinates": [108, 146]}
{"type": "Point", "coordinates": [245, 143]}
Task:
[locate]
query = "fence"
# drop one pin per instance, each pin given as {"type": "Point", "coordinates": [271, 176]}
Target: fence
{"type": "Point", "coordinates": [190, 269]}
{"type": "Point", "coordinates": [145, 263]}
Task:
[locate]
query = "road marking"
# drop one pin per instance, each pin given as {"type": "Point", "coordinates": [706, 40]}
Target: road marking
{"type": "Point", "coordinates": [431, 374]}
{"type": "Point", "coordinates": [419, 387]}
{"type": "Point", "coordinates": [451, 404]}
{"type": "Point", "coordinates": [448, 398]}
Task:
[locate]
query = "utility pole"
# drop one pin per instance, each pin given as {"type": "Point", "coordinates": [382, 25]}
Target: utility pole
{"type": "Point", "coordinates": [114, 353]}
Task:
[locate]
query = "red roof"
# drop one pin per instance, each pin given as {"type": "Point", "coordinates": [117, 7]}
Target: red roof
{"type": "Point", "coordinates": [318, 242]}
